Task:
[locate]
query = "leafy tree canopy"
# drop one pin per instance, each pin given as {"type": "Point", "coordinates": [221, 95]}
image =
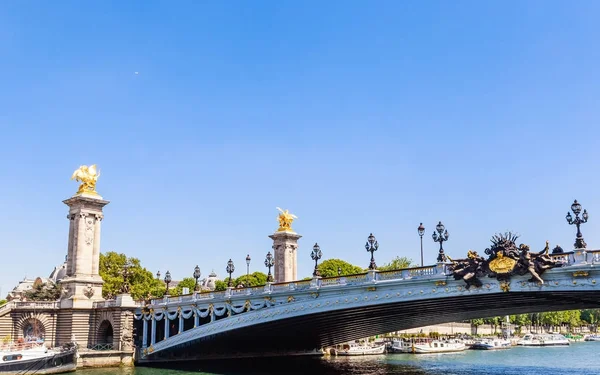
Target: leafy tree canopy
{"type": "Point", "coordinates": [254, 279]}
{"type": "Point", "coordinates": [396, 264]}
{"type": "Point", "coordinates": [43, 292]}
{"type": "Point", "coordinates": [142, 282]}
{"type": "Point", "coordinates": [2, 302]}
{"type": "Point", "coordinates": [329, 268]}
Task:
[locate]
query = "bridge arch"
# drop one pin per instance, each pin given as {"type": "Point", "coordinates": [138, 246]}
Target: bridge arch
{"type": "Point", "coordinates": [105, 333]}
{"type": "Point", "coordinates": [32, 326]}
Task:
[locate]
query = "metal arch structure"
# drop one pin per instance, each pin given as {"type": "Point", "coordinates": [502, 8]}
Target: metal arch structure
{"type": "Point", "coordinates": [301, 316]}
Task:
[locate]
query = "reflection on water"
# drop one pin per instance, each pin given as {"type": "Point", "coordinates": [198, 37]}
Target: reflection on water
{"type": "Point", "coordinates": [577, 359]}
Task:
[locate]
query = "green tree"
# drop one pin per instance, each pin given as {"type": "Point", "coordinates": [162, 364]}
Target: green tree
{"type": "Point", "coordinates": [142, 282]}
{"type": "Point", "coordinates": [2, 302]}
{"type": "Point", "coordinates": [43, 291]}
{"type": "Point", "coordinates": [254, 279]}
{"type": "Point", "coordinates": [220, 285]}
{"type": "Point", "coordinates": [329, 268]}
{"type": "Point", "coordinates": [590, 316]}
{"type": "Point", "coordinates": [187, 282]}
{"type": "Point", "coordinates": [476, 323]}
{"type": "Point", "coordinates": [396, 264]}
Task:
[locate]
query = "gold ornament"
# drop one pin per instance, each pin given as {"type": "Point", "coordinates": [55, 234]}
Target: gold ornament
{"type": "Point", "coordinates": [502, 264]}
{"type": "Point", "coordinates": [88, 177]}
{"type": "Point", "coordinates": [285, 219]}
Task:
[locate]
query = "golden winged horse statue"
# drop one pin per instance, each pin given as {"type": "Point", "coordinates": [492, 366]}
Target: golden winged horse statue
{"type": "Point", "coordinates": [88, 177]}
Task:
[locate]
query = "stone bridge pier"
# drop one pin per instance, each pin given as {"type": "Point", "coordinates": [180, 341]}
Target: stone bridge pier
{"type": "Point", "coordinates": [102, 329]}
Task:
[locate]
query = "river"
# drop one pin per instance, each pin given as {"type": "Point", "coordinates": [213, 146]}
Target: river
{"type": "Point", "coordinates": [582, 358]}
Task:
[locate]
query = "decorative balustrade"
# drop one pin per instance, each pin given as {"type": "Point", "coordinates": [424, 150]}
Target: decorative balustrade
{"type": "Point", "coordinates": [104, 304]}
{"type": "Point", "coordinates": [330, 281]}
{"type": "Point", "coordinates": [593, 256]}
{"type": "Point", "coordinates": [435, 271]}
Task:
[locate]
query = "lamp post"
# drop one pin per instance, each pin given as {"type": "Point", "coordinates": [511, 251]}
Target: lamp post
{"type": "Point", "coordinates": [372, 245]}
{"type": "Point", "coordinates": [230, 268]}
{"type": "Point", "coordinates": [576, 208]}
{"type": "Point", "coordinates": [339, 271]}
{"type": "Point", "coordinates": [316, 255]}
{"type": "Point", "coordinates": [158, 275]}
{"type": "Point", "coordinates": [421, 230]}
{"type": "Point", "coordinates": [248, 270]}
{"type": "Point", "coordinates": [197, 275]}
{"type": "Point", "coordinates": [167, 281]}
{"type": "Point", "coordinates": [441, 236]}
{"type": "Point", "coordinates": [125, 274]}
{"type": "Point", "coordinates": [269, 264]}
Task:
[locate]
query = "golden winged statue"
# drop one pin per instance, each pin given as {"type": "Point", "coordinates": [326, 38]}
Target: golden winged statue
{"type": "Point", "coordinates": [88, 177]}
{"type": "Point", "coordinates": [285, 219]}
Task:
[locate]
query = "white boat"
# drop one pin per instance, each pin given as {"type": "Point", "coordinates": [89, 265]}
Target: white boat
{"type": "Point", "coordinates": [424, 345]}
{"type": "Point", "coordinates": [548, 339]}
{"type": "Point", "coordinates": [360, 349]}
{"type": "Point", "coordinates": [491, 344]}
{"type": "Point", "coordinates": [19, 359]}
{"type": "Point", "coordinates": [592, 338]}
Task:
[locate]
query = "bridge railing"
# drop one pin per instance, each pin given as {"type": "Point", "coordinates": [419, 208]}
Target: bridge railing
{"type": "Point", "coordinates": [563, 258]}
{"type": "Point", "coordinates": [34, 304]}
{"type": "Point", "coordinates": [593, 256]}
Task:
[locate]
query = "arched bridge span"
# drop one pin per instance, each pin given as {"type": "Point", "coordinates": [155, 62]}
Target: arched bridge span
{"type": "Point", "coordinates": [282, 318]}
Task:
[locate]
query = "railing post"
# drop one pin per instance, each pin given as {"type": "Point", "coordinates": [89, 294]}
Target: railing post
{"type": "Point", "coordinates": [315, 283]}
{"type": "Point", "coordinates": [166, 324]}
{"type": "Point", "coordinates": [580, 256]}
{"type": "Point", "coordinates": [196, 319]}
{"type": "Point", "coordinates": [153, 334]}
{"type": "Point", "coordinates": [180, 322]}
{"type": "Point", "coordinates": [372, 276]}
{"type": "Point", "coordinates": [228, 291]}
{"type": "Point", "coordinates": [440, 268]}
{"type": "Point", "coordinates": [268, 287]}
{"type": "Point", "coordinates": [144, 332]}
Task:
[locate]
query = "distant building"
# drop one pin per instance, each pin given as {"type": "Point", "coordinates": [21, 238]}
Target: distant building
{"type": "Point", "coordinates": [25, 285]}
{"type": "Point", "coordinates": [209, 283]}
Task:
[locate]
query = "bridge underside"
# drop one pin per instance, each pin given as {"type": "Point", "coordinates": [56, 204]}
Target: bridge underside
{"type": "Point", "coordinates": [324, 329]}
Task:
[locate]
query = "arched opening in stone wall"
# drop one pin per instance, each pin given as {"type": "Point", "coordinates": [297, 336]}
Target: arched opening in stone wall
{"type": "Point", "coordinates": [105, 333]}
{"type": "Point", "coordinates": [34, 330]}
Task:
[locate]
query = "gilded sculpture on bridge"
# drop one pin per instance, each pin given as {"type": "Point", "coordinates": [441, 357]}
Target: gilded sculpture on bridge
{"type": "Point", "coordinates": [505, 260]}
{"type": "Point", "coordinates": [88, 177]}
{"type": "Point", "coordinates": [285, 219]}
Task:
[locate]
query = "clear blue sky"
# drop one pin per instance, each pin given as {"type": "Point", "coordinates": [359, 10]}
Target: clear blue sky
{"type": "Point", "coordinates": [357, 116]}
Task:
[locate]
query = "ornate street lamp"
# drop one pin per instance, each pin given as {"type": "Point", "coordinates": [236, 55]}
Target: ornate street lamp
{"type": "Point", "coordinates": [167, 281]}
{"type": "Point", "coordinates": [441, 236]}
{"type": "Point", "coordinates": [576, 208]}
{"type": "Point", "coordinates": [339, 271]}
{"type": "Point", "coordinates": [248, 270]}
{"type": "Point", "coordinates": [197, 275]}
{"type": "Point", "coordinates": [372, 245]}
{"type": "Point", "coordinates": [421, 230]}
{"type": "Point", "coordinates": [316, 255]}
{"type": "Point", "coordinates": [230, 268]}
{"type": "Point", "coordinates": [125, 274]}
{"type": "Point", "coordinates": [158, 275]}
{"type": "Point", "coordinates": [269, 264]}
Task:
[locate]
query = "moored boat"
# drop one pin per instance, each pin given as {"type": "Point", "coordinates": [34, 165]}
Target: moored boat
{"type": "Point", "coordinates": [550, 339]}
{"type": "Point", "coordinates": [38, 360]}
{"type": "Point", "coordinates": [592, 337]}
{"type": "Point", "coordinates": [491, 344]}
{"type": "Point", "coordinates": [425, 345]}
{"type": "Point", "coordinates": [360, 349]}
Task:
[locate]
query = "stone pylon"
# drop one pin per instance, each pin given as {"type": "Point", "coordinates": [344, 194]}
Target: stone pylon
{"type": "Point", "coordinates": [83, 284]}
{"type": "Point", "coordinates": [285, 244]}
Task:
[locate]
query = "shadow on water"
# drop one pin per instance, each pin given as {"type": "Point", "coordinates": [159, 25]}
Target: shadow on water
{"type": "Point", "coordinates": [376, 365]}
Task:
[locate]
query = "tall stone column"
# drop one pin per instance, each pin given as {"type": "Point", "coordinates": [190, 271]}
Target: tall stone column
{"type": "Point", "coordinates": [83, 284]}
{"type": "Point", "coordinates": [285, 244]}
